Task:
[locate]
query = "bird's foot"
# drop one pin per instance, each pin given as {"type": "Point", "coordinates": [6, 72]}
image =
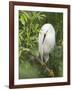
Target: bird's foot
{"type": "Point", "coordinates": [43, 64]}
{"type": "Point", "coordinates": [51, 73]}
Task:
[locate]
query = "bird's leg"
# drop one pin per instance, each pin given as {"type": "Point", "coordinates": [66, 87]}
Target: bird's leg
{"type": "Point", "coordinates": [42, 61]}
{"type": "Point", "coordinates": [46, 58]}
{"type": "Point", "coordinates": [41, 58]}
{"type": "Point", "coordinates": [50, 71]}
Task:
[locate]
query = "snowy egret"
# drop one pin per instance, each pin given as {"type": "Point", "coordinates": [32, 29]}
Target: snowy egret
{"type": "Point", "coordinates": [46, 41]}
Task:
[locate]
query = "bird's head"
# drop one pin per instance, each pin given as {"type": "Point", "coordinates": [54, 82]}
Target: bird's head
{"type": "Point", "coordinates": [46, 28]}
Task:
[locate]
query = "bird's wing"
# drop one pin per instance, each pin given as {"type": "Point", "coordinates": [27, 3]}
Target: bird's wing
{"type": "Point", "coordinates": [49, 43]}
{"type": "Point", "coordinates": [40, 40]}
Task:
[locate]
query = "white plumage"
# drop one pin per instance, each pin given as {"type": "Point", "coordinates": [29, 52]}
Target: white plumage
{"type": "Point", "coordinates": [46, 41]}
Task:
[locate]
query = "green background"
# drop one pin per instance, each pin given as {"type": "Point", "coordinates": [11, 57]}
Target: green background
{"type": "Point", "coordinates": [30, 24]}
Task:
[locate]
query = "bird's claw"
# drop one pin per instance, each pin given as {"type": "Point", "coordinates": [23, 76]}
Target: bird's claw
{"type": "Point", "coordinates": [51, 73]}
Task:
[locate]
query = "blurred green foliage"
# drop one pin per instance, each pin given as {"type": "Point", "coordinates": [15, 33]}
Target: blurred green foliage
{"type": "Point", "coordinates": [29, 26]}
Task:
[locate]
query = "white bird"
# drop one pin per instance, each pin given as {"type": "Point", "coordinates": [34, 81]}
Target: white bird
{"type": "Point", "coordinates": [46, 41]}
